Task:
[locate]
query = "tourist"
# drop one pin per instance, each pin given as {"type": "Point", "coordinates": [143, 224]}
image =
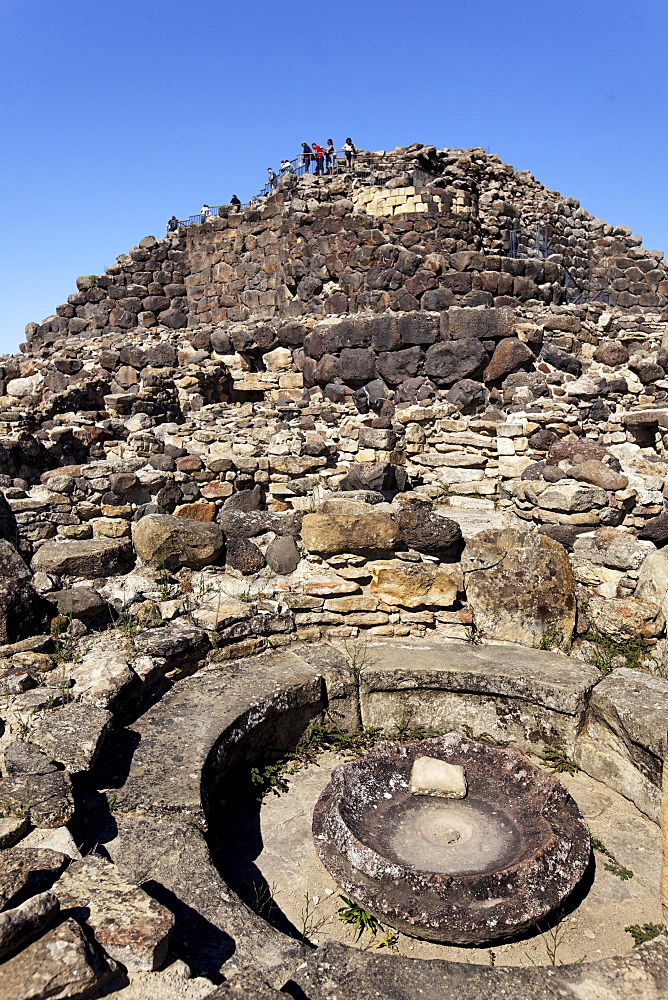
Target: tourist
{"type": "Point", "coordinates": [235, 203]}
{"type": "Point", "coordinates": [330, 154]}
{"type": "Point", "coordinates": [319, 159]}
{"type": "Point", "coordinates": [286, 168]}
{"type": "Point", "coordinates": [271, 178]}
{"type": "Point", "coordinates": [307, 156]}
{"type": "Point", "coordinates": [173, 224]}
{"type": "Point", "coordinates": [206, 212]}
{"type": "Point", "coordinates": [350, 151]}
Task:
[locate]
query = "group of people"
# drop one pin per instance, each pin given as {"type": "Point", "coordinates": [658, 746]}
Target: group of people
{"type": "Point", "coordinates": [324, 157]}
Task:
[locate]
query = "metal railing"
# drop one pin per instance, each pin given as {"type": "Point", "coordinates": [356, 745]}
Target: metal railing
{"type": "Point", "coordinates": [359, 164]}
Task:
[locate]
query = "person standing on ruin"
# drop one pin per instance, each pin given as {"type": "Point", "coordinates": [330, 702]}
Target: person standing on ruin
{"type": "Point", "coordinates": [173, 224]}
{"type": "Point", "coordinates": [319, 159]}
{"type": "Point", "coordinates": [271, 179]}
{"type": "Point", "coordinates": [350, 151]}
{"type": "Point", "coordinates": [235, 203]}
{"type": "Point", "coordinates": [206, 212]}
{"type": "Point", "coordinates": [307, 156]}
{"type": "Point", "coordinates": [330, 153]}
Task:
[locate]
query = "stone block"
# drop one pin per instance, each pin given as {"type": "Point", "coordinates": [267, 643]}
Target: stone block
{"type": "Point", "coordinates": [329, 534]}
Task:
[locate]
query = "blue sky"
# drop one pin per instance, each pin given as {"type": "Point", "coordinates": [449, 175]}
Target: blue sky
{"type": "Point", "coordinates": [114, 116]}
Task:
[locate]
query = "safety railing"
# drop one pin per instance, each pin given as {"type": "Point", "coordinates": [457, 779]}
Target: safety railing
{"type": "Point", "coordinates": [359, 164]}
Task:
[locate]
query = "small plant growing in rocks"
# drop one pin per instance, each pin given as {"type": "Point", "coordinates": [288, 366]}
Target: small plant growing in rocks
{"type": "Point", "coordinates": [559, 761]}
{"type": "Point", "coordinates": [643, 932]}
{"type": "Point", "coordinates": [612, 864]}
{"type": "Point", "coordinates": [361, 921]}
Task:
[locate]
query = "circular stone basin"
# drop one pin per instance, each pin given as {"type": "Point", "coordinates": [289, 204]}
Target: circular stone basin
{"type": "Point", "coordinates": [462, 871]}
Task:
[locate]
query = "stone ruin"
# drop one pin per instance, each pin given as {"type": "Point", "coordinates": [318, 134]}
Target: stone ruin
{"type": "Point", "coordinates": [395, 443]}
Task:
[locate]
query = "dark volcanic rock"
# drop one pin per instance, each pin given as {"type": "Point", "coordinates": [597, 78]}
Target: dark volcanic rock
{"type": "Point", "coordinates": [376, 476]}
{"type": "Point", "coordinates": [283, 555]}
{"type": "Point", "coordinates": [425, 531]}
{"type": "Point", "coordinates": [244, 556]}
{"type": "Point", "coordinates": [612, 353]}
{"type": "Point", "coordinates": [447, 363]}
{"type": "Point", "coordinates": [508, 355]}
{"type": "Point", "coordinates": [656, 529]}
{"type": "Point", "coordinates": [22, 611]}
{"type": "Point", "coordinates": [562, 360]}
{"type": "Point", "coordinates": [468, 395]}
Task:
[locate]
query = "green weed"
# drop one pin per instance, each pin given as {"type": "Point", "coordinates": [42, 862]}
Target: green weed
{"type": "Point", "coordinates": [358, 919]}
{"type": "Point", "coordinates": [643, 932]}
{"type": "Point", "coordinates": [606, 649]}
{"type": "Point", "coordinates": [612, 864]}
{"type": "Point", "coordinates": [558, 761]}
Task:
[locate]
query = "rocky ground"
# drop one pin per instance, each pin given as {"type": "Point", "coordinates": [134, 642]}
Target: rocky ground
{"type": "Point", "coordinates": [341, 416]}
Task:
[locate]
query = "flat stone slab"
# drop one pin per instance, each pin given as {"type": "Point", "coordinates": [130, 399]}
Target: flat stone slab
{"type": "Point", "coordinates": [72, 735]}
{"type": "Point", "coordinates": [184, 744]}
{"type": "Point", "coordinates": [335, 971]}
{"type": "Point", "coordinates": [60, 965]}
{"type": "Point", "coordinates": [542, 678]}
{"type": "Point", "coordinates": [19, 925]}
{"type": "Point", "coordinates": [635, 705]}
{"type": "Point", "coordinates": [25, 871]}
{"type": "Point", "coordinates": [178, 734]}
{"type": "Point", "coordinates": [131, 927]}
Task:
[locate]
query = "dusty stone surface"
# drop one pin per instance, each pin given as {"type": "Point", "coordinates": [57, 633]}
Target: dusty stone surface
{"type": "Point", "coordinates": [72, 735]}
{"type": "Point", "coordinates": [26, 871]}
{"type": "Point", "coordinates": [162, 540]}
{"type": "Point", "coordinates": [403, 865]}
{"type": "Point", "coordinates": [518, 583]}
{"type": "Point", "coordinates": [130, 926]}
{"type": "Point", "coordinates": [45, 799]}
{"type": "Point", "coordinates": [22, 923]}
{"type": "Point", "coordinates": [593, 930]}
{"type": "Point", "coordinates": [60, 965]}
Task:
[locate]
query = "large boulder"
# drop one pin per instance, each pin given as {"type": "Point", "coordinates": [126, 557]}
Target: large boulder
{"type": "Point", "coordinates": [330, 534]}
{"type": "Point", "coordinates": [170, 542]}
{"type": "Point", "coordinates": [423, 530]}
{"type": "Point", "coordinates": [22, 611]}
{"type": "Point", "coordinates": [519, 585]}
{"type": "Point", "coordinates": [86, 558]}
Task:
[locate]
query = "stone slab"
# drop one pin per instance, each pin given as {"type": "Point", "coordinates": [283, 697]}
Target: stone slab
{"type": "Point", "coordinates": [61, 965]}
{"type": "Point", "coordinates": [543, 678]}
{"type": "Point", "coordinates": [334, 971]}
{"type": "Point", "coordinates": [131, 927]}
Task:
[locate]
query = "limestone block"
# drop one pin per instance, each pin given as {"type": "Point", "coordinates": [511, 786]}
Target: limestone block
{"type": "Point", "coordinates": [101, 678]}
{"type": "Point", "coordinates": [72, 734]}
{"type": "Point", "coordinates": [172, 542]}
{"type": "Point", "coordinates": [26, 871]}
{"type": "Point", "coordinates": [572, 498]}
{"type": "Point", "coordinates": [278, 360]}
{"type": "Point", "coordinates": [26, 921]}
{"type": "Point", "coordinates": [59, 965]}
{"type": "Point", "coordinates": [517, 583]}
{"type": "Point", "coordinates": [412, 585]}
{"type": "Point", "coordinates": [24, 386]}
{"type": "Point", "coordinates": [431, 776]}
{"type": "Point", "coordinates": [131, 926]}
{"type": "Point", "coordinates": [328, 534]}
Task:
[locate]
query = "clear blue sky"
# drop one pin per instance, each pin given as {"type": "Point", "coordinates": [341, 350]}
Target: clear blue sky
{"type": "Point", "coordinates": [116, 115]}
